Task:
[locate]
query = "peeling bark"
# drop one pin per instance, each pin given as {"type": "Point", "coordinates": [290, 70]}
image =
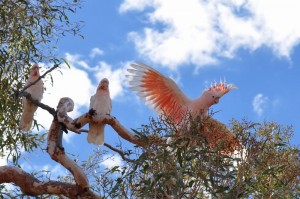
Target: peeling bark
{"type": "Point", "coordinates": [57, 153]}
{"type": "Point", "coordinates": [31, 186]}
{"type": "Point", "coordinates": [115, 124]}
{"type": "Point", "coordinates": [67, 105]}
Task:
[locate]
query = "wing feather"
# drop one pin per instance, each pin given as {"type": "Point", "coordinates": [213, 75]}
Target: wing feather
{"type": "Point", "coordinates": [162, 92]}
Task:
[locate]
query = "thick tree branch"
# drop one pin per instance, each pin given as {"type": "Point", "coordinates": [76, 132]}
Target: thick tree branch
{"type": "Point", "coordinates": [113, 122]}
{"type": "Point", "coordinates": [67, 105]}
{"type": "Point", "coordinates": [76, 124]}
{"type": "Point", "coordinates": [56, 150]}
{"type": "Point", "coordinates": [57, 153]}
{"type": "Point", "coordinates": [32, 186]}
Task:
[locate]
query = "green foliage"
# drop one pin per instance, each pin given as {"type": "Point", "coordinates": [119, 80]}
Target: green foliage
{"type": "Point", "coordinates": [264, 165]}
{"type": "Point", "coordinates": [29, 31]}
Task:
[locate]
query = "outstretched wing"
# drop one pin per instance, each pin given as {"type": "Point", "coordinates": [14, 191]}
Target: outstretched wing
{"type": "Point", "coordinates": [159, 92]}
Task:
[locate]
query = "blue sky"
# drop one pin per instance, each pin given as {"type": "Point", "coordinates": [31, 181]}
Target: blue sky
{"type": "Point", "coordinates": [253, 44]}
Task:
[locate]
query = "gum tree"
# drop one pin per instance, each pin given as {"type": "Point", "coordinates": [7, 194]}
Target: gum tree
{"type": "Point", "coordinates": [162, 164]}
{"type": "Point", "coordinates": [29, 31]}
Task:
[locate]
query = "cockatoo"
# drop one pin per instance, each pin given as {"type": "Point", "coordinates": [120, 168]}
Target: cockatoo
{"type": "Point", "coordinates": [36, 92]}
{"type": "Point", "coordinates": [166, 98]}
{"type": "Point", "coordinates": [101, 103]}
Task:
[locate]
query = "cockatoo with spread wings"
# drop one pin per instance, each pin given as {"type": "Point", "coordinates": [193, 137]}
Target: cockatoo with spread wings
{"type": "Point", "coordinates": [36, 91]}
{"type": "Point", "coordinates": [101, 103]}
{"type": "Point", "coordinates": [167, 99]}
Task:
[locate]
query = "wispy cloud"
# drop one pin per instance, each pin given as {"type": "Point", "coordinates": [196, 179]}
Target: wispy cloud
{"type": "Point", "coordinates": [259, 104]}
{"type": "Point", "coordinates": [134, 5]}
{"type": "Point", "coordinates": [95, 52]}
{"type": "Point", "coordinates": [55, 170]}
{"type": "Point", "coordinates": [200, 32]}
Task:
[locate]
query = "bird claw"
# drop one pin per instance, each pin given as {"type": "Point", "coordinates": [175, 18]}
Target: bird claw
{"type": "Point", "coordinates": [92, 112]}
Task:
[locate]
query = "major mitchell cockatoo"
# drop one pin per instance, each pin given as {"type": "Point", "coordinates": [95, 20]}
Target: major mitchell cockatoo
{"type": "Point", "coordinates": [36, 91]}
{"type": "Point", "coordinates": [101, 103]}
{"type": "Point", "coordinates": [166, 97]}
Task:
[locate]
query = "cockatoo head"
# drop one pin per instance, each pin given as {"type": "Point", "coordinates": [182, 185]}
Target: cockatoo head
{"type": "Point", "coordinates": [34, 71]}
{"type": "Point", "coordinates": [216, 91]}
{"type": "Point", "coordinates": [103, 85]}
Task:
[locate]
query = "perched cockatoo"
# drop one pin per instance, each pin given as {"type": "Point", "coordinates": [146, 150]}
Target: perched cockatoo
{"type": "Point", "coordinates": [36, 92]}
{"type": "Point", "coordinates": [101, 103]}
{"type": "Point", "coordinates": [166, 98]}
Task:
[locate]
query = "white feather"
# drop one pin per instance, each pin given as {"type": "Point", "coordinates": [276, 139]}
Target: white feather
{"type": "Point", "coordinates": [36, 92]}
{"type": "Point", "coordinates": [101, 103]}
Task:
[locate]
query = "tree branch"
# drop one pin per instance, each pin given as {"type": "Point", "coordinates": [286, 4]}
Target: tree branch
{"type": "Point", "coordinates": [57, 153]}
{"type": "Point", "coordinates": [113, 122]}
{"type": "Point", "coordinates": [30, 185]}
{"type": "Point", "coordinates": [118, 151]}
{"type": "Point", "coordinates": [66, 105]}
{"type": "Point", "coordinates": [40, 104]}
{"type": "Point", "coordinates": [20, 93]}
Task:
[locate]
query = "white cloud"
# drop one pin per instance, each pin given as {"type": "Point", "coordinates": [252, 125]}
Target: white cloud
{"type": "Point", "coordinates": [134, 5]}
{"type": "Point", "coordinates": [77, 61]}
{"type": "Point", "coordinates": [116, 78]}
{"type": "Point", "coordinates": [200, 32]}
{"type": "Point", "coordinates": [259, 103]}
{"type": "Point", "coordinates": [95, 52]}
{"type": "Point", "coordinates": [111, 161]}
{"type": "Point", "coordinates": [3, 160]}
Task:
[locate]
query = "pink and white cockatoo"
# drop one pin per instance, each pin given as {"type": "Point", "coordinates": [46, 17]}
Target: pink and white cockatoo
{"type": "Point", "coordinates": [166, 98]}
{"type": "Point", "coordinates": [101, 103]}
{"type": "Point", "coordinates": [36, 92]}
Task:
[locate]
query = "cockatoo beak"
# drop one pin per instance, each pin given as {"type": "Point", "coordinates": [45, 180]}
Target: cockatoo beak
{"type": "Point", "coordinates": [216, 100]}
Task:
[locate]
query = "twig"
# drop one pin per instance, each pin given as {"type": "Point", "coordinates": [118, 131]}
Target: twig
{"type": "Point", "coordinates": [39, 104]}
{"type": "Point", "coordinates": [118, 151]}
{"type": "Point", "coordinates": [20, 93]}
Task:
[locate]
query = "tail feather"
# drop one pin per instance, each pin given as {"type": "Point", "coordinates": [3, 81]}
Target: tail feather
{"type": "Point", "coordinates": [27, 116]}
{"type": "Point", "coordinates": [96, 134]}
